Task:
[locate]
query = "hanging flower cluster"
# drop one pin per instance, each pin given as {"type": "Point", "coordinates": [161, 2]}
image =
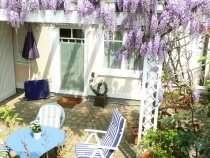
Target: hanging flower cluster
{"type": "Point", "coordinates": [176, 14]}
{"type": "Point", "coordinates": [85, 8]}
{"type": "Point", "coordinates": [147, 29]}
{"type": "Point", "coordinates": [105, 16]}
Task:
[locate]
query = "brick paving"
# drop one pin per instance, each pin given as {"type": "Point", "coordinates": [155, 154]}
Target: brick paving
{"type": "Point", "coordinates": [83, 115]}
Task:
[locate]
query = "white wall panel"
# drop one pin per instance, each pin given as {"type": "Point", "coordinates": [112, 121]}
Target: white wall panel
{"type": "Point", "coordinates": [7, 74]}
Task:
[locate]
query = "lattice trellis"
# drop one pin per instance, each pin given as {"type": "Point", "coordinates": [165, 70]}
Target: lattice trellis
{"type": "Point", "coordinates": [150, 87]}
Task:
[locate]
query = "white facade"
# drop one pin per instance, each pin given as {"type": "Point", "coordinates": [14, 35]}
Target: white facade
{"type": "Point", "coordinates": [7, 73]}
{"type": "Point", "coordinates": [125, 84]}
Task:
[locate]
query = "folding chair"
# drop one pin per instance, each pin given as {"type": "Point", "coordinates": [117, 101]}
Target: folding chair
{"type": "Point", "coordinates": [109, 143]}
{"type": "Point", "coordinates": [51, 114]}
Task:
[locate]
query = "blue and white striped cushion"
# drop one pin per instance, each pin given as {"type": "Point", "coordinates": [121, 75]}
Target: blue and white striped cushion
{"type": "Point", "coordinates": [111, 138]}
{"type": "Point", "coordinates": [50, 116]}
{"type": "Point", "coordinates": [82, 151]}
{"type": "Point", "coordinates": [4, 150]}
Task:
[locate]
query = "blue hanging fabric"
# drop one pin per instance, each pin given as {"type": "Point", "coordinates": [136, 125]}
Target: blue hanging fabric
{"type": "Point", "coordinates": [30, 50]}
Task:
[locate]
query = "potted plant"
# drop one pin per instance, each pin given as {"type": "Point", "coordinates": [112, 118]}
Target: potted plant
{"type": "Point", "coordinates": [36, 128]}
{"type": "Point", "coordinates": [101, 97]}
{"type": "Point", "coordinates": [160, 143]}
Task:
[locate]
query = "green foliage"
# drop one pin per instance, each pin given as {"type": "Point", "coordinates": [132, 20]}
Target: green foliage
{"type": "Point", "coordinates": [9, 116]}
{"type": "Point", "coordinates": [193, 130]}
{"type": "Point", "coordinates": [35, 126]}
{"type": "Point", "coordinates": [161, 143]}
{"type": "Point", "coordinates": [206, 57]}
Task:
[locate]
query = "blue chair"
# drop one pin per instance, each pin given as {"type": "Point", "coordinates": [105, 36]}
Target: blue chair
{"type": "Point", "coordinates": [109, 143]}
{"type": "Point", "coordinates": [51, 114]}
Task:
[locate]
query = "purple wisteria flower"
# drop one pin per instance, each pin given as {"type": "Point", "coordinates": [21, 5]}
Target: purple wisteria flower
{"type": "Point", "coordinates": [155, 69]}
{"type": "Point", "coordinates": [156, 45]}
{"type": "Point", "coordinates": [153, 25]}
{"type": "Point", "coordinates": [138, 36]}
{"type": "Point", "coordinates": [194, 27]}
{"type": "Point", "coordinates": [33, 4]}
{"type": "Point", "coordinates": [52, 5]}
{"type": "Point", "coordinates": [149, 48]}
{"type": "Point", "coordinates": [196, 96]}
{"type": "Point", "coordinates": [120, 4]}
{"type": "Point", "coordinates": [143, 50]}
{"type": "Point", "coordinates": [43, 4]}
{"type": "Point", "coordinates": [169, 69]}
{"type": "Point", "coordinates": [146, 5]}
{"type": "Point", "coordinates": [120, 53]}
{"type": "Point", "coordinates": [105, 15]}
{"type": "Point", "coordinates": [162, 50]}
{"type": "Point", "coordinates": [163, 21]}
{"type": "Point", "coordinates": [67, 6]}
{"type": "Point", "coordinates": [160, 94]}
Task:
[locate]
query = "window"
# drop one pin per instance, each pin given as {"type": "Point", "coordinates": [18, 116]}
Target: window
{"type": "Point", "coordinates": [72, 35]}
{"type": "Point", "coordinates": [111, 46]}
{"type": "Point", "coordinates": [21, 35]}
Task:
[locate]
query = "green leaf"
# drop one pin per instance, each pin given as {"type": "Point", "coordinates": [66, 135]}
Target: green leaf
{"type": "Point", "coordinates": [181, 130]}
{"type": "Point", "coordinates": [202, 59]}
{"type": "Point", "coordinates": [198, 112]}
{"type": "Point", "coordinates": [183, 149]}
{"type": "Point", "coordinates": [176, 139]}
{"type": "Point", "coordinates": [192, 138]}
{"type": "Point", "coordinates": [208, 152]}
{"type": "Point", "coordinates": [168, 120]}
{"type": "Point", "coordinates": [199, 144]}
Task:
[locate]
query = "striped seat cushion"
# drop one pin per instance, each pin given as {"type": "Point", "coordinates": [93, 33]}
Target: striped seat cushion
{"type": "Point", "coordinates": [50, 116]}
{"type": "Point", "coordinates": [4, 151]}
{"type": "Point", "coordinates": [110, 139]}
{"type": "Point", "coordinates": [114, 132]}
{"type": "Point", "coordinates": [82, 151]}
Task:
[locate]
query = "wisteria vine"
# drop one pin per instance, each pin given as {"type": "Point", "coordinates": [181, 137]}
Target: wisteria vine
{"type": "Point", "coordinates": [145, 24]}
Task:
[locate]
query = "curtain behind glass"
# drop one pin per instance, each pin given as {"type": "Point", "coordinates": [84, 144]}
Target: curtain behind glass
{"type": "Point", "coordinates": [72, 66]}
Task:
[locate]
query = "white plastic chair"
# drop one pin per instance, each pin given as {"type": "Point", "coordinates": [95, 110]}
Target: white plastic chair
{"type": "Point", "coordinates": [51, 114]}
{"type": "Point", "coordinates": [110, 142]}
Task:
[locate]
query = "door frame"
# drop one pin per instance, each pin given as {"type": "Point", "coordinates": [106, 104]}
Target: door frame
{"type": "Point", "coordinates": [57, 64]}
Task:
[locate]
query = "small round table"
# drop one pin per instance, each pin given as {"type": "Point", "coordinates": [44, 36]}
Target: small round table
{"type": "Point", "coordinates": [24, 144]}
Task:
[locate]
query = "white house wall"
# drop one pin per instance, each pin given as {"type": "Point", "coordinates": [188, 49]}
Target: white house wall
{"type": "Point", "coordinates": [7, 73]}
{"type": "Point", "coordinates": [42, 67]}
{"type": "Point", "coordinates": [46, 66]}
{"type": "Point", "coordinates": [45, 27]}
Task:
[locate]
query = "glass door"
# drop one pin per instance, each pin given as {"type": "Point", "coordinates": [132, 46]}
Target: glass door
{"type": "Point", "coordinates": [72, 60]}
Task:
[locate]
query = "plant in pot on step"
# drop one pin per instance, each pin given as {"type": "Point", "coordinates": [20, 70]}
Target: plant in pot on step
{"type": "Point", "coordinates": [100, 92]}
{"type": "Point", "coordinates": [36, 128]}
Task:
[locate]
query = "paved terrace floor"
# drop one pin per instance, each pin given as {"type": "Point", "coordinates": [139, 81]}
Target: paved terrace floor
{"type": "Point", "coordinates": [83, 115]}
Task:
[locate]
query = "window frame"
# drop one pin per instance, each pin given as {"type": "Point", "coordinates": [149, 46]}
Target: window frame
{"type": "Point", "coordinates": [114, 72]}
{"type": "Point", "coordinates": [20, 60]}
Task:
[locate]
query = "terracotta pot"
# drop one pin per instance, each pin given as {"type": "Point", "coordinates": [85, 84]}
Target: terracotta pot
{"type": "Point", "coordinates": [147, 154]}
{"type": "Point", "coordinates": [134, 131]}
